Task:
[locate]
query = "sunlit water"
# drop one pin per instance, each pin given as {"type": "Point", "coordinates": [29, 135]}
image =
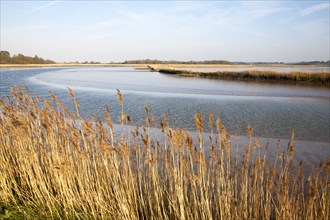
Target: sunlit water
{"type": "Point", "coordinates": [272, 109]}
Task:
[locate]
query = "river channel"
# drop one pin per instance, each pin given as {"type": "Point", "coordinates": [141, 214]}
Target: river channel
{"type": "Point", "coordinates": [272, 109]}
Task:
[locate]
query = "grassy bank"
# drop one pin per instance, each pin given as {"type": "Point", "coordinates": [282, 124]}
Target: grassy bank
{"type": "Point", "coordinates": [56, 164]}
{"type": "Point", "coordinates": [318, 78]}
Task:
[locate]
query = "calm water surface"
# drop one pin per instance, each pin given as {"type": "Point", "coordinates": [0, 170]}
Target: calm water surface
{"type": "Point", "coordinates": [272, 109]}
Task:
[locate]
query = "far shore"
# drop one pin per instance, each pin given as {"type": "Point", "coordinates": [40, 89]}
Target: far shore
{"type": "Point", "coordinates": [156, 66]}
{"type": "Point", "coordinates": [321, 78]}
{"type": "Point", "coordinates": [72, 65]}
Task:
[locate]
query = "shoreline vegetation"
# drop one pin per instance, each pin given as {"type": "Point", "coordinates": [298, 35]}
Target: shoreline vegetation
{"type": "Point", "coordinates": [156, 67]}
{"type": "Point", "coordinates": [173, 67]}
{"type": "Point", "coordinates": [305, 77]}
{"type": "Point", "coordinates": [321, 78]}
{"type": "Point", "coordinates": [58, 165]}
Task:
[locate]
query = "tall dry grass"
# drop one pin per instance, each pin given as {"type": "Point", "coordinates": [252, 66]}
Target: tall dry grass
{"type": "Point", "coordinates": [322, 77]}
{"type": "Point", "coordinates": [67, 167]}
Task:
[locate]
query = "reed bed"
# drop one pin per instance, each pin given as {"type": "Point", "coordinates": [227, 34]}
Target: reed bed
{"type": "Point", "coordinates": [322, 78]}
{"type": "Point", "coordinates": [63, 166]}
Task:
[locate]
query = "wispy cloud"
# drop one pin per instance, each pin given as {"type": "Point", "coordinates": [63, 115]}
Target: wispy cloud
{"type": "Point", "coordinates": [45, 6]}
{"type": "Point", "coordinates": [304, 12]}
{"type": "Point", "coordinates": [255, 10]}
{"type": "Point", "coordinates": [315, 8]}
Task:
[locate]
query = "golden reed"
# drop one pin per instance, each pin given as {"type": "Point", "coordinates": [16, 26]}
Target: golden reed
{"type": "Point", "coordinates": [63, 166]}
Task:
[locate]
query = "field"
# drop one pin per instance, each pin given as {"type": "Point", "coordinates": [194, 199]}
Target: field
{"type": "Point", "coordinates": [58, 165]}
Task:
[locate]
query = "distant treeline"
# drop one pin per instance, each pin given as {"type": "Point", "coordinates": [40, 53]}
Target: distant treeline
{"type": "Point", "coordinates": [318, 63]}
{"type": "Point", "coordinates": [6, 58]}
{"type": "Point", "coordinates": [149, 61]}
{"type": "Point", "coordinates": [155, 61]}
{"type": "Point", "coordinates": [323, 63]}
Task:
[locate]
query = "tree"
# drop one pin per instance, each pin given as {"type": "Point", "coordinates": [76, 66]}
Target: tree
{"type": "Point", "coordinates": [4, 57]}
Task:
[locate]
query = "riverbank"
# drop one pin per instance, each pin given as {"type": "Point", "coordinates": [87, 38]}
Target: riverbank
{"type": "Point", "coordinates": [317, 78]}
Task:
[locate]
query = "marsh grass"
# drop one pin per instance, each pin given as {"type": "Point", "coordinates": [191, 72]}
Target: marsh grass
{"type": "Point", "coordinates": [259, 75]}
{"type": "Point", "coordinates": [64, 166]}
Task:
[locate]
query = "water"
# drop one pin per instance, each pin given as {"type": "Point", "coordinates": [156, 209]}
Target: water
{"type": "Point", "coordinates": [272, 109]}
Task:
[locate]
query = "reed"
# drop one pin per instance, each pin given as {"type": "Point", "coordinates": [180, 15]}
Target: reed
{"type": "Point", "coordinates": [63, 166]}
{"type": "Point", "coordinates": [322, 78]}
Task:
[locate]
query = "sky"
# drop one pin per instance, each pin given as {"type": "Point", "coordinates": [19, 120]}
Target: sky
{"type": "Point", "coordinates": [105, 31]}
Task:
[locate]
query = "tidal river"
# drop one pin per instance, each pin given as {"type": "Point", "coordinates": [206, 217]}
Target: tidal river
{"type": "Point", "coordinates": [272, 109]}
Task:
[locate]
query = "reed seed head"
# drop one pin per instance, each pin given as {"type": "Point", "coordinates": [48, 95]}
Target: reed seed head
{"type": "Point", "coordinates": [120, 97]}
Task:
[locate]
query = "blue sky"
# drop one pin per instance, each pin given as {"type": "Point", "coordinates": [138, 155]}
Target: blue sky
{"type": "Point", "coordinates": [105, 31]}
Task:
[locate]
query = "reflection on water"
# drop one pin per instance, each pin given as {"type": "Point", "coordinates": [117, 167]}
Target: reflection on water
{"type": "Point", "coordinates": [272, 109]}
